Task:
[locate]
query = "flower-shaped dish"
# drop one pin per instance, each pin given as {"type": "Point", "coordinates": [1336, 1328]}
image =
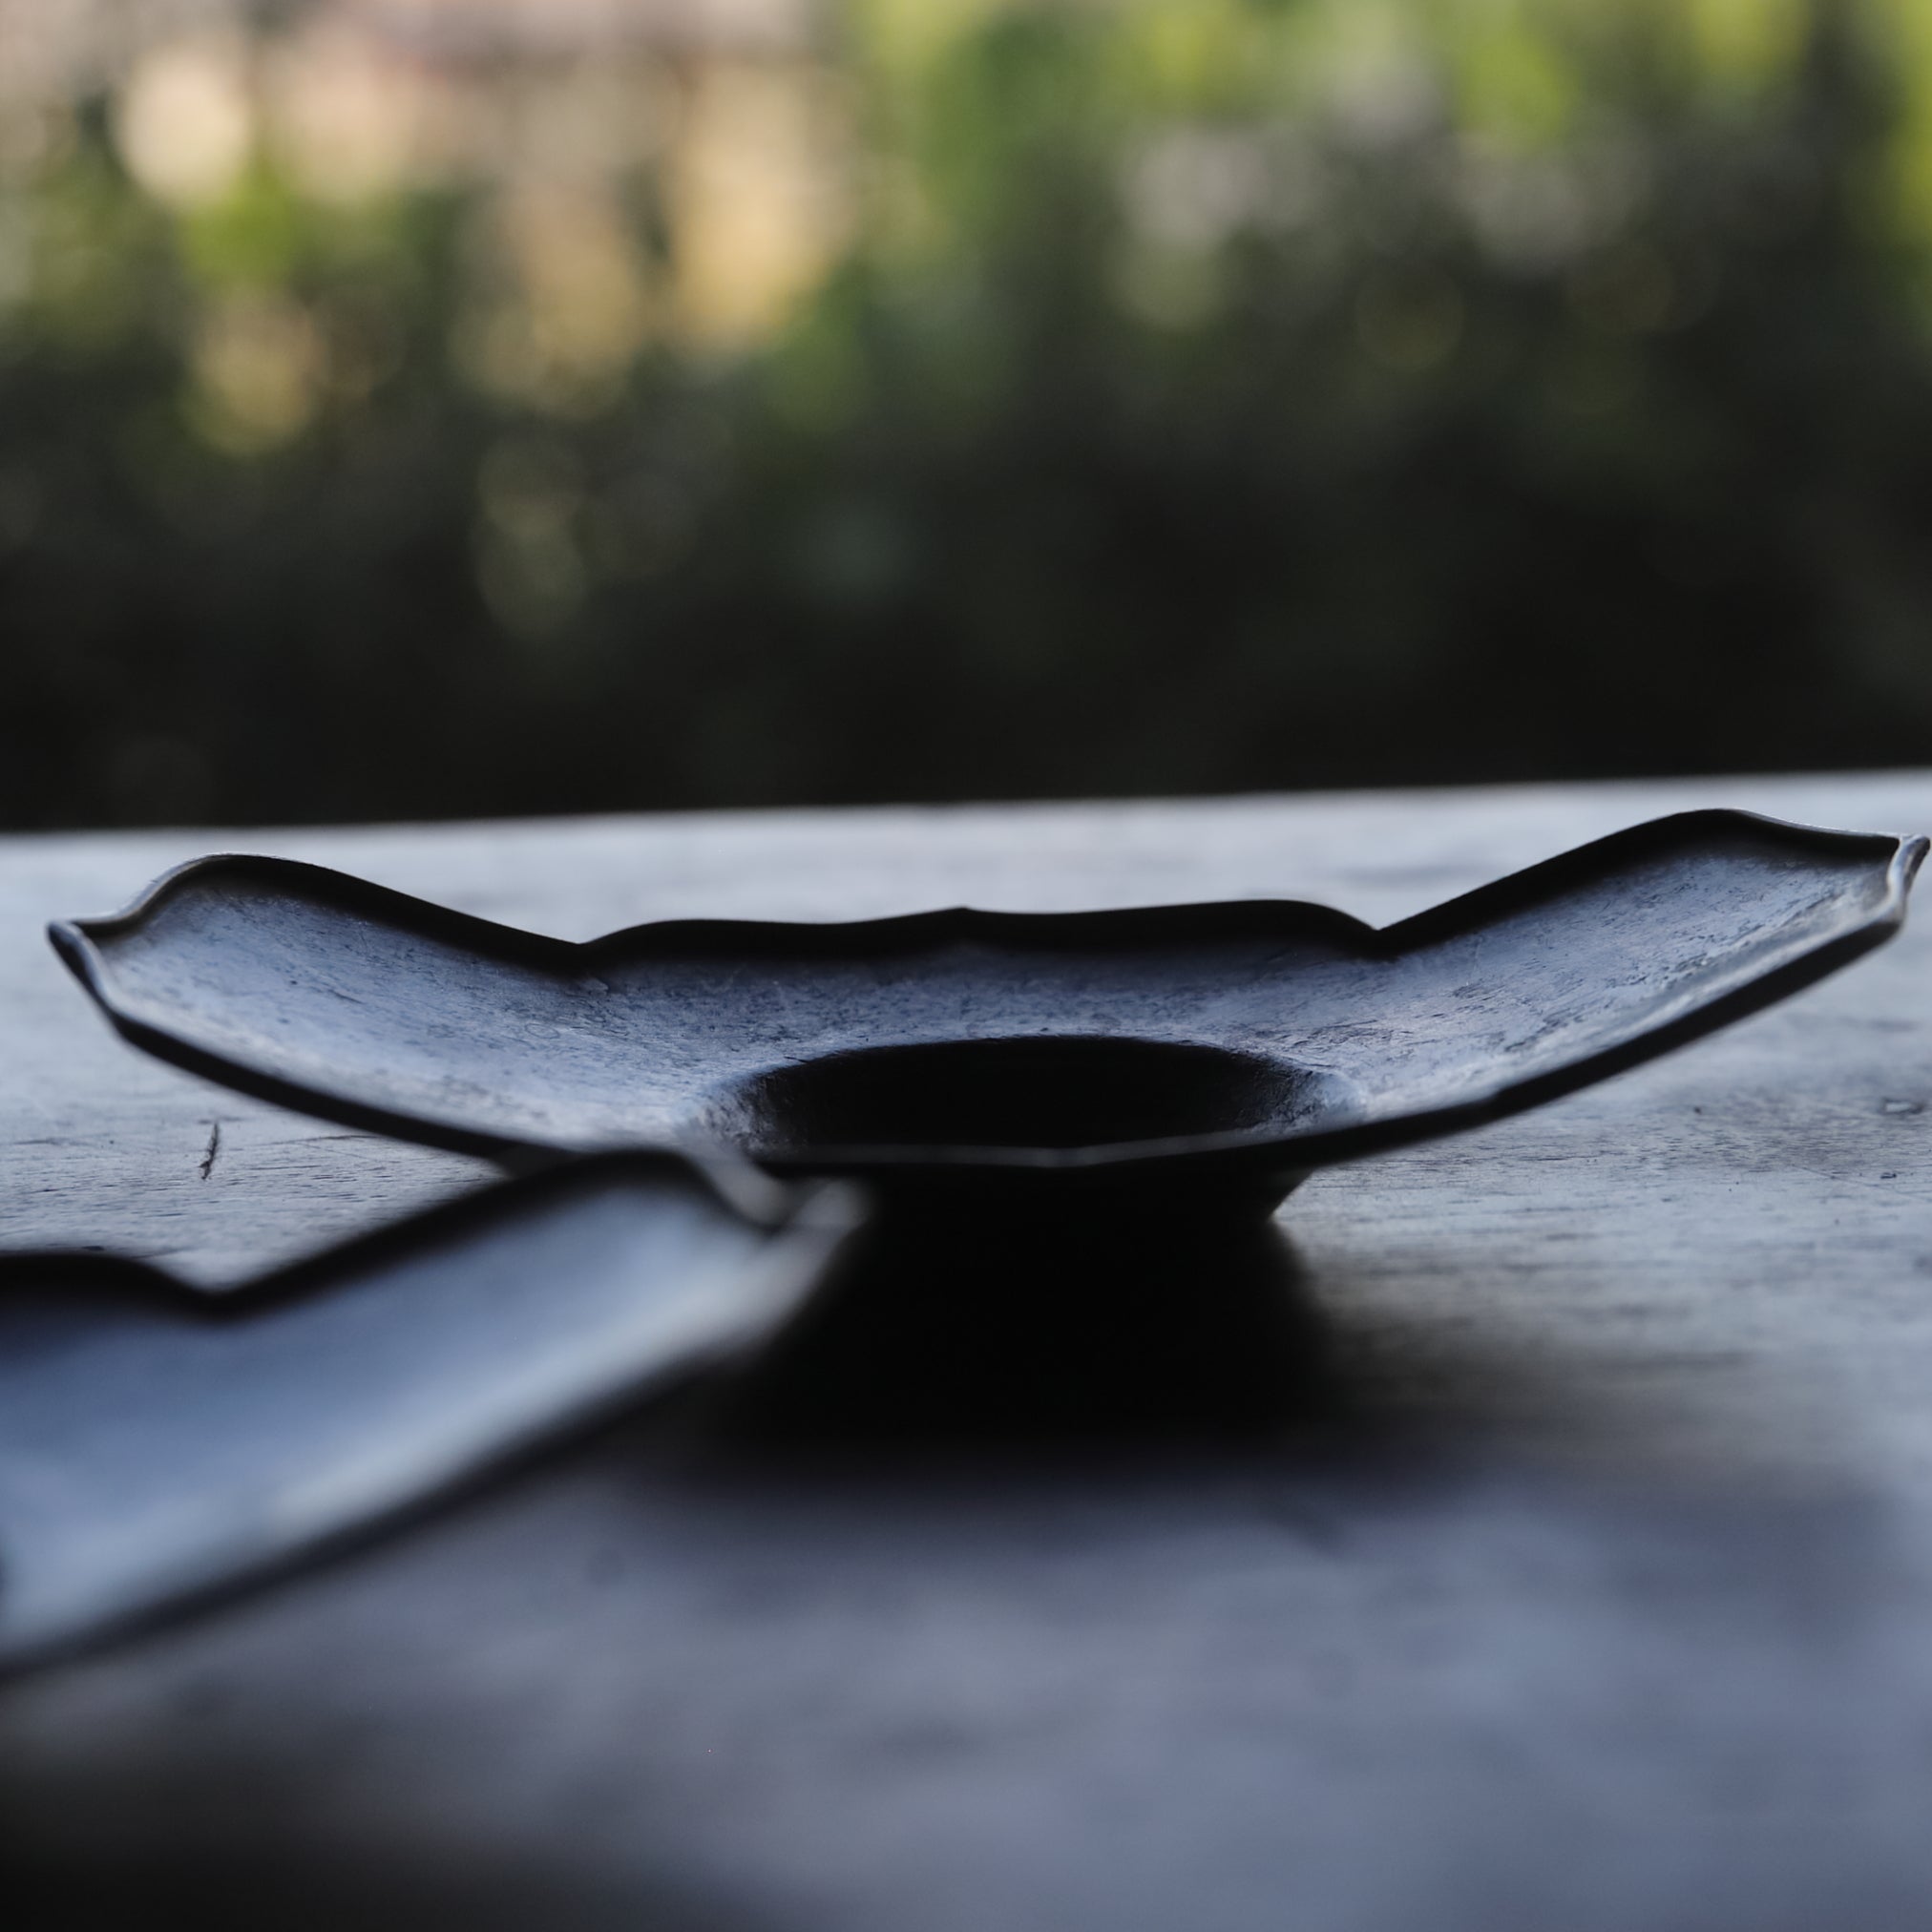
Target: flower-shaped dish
{"type": "Point", "coordinates": [1243, 1043]}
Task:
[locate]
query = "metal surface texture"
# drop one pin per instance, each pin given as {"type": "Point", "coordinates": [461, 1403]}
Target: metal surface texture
{"type": "Point", "coordinates": [157, 1445]}
{"type": "Point", "coordinates": [1238, 1044]}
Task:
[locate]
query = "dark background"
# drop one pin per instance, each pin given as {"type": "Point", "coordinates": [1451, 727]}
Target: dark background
{"type": "Point", "coordinates": [896, 402]}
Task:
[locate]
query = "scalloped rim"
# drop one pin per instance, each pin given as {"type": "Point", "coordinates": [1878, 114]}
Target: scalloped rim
{"type": "Point", "coordinates": [76, 942]}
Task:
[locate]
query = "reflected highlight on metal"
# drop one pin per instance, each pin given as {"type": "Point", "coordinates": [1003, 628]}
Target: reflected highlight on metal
{"type": "Point", "coordinates": [157, 1444]}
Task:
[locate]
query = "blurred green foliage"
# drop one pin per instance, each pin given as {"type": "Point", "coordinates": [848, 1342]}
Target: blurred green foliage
{"type": "Point", "coordinates": [1227, 394]}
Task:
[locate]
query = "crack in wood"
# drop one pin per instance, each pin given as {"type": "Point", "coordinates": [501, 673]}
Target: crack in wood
{"type": "Point", "coordinates": [214, 1148]}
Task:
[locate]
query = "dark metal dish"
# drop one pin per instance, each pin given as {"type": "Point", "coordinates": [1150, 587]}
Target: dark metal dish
{"type": "Point", "coordinates": [1165, 1074]}
{"type": "Point", "coordinates": [1231, 1046]}
{"type": "Point", "coordinates": [158, 1444]}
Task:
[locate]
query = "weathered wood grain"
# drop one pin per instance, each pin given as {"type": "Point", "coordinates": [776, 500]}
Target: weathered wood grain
{"type": "Point", "coordinates": [1604, 1605]}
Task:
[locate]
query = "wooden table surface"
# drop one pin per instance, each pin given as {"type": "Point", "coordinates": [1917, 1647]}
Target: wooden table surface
{"type": "Point", "coordinates": [1611, 1607]}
